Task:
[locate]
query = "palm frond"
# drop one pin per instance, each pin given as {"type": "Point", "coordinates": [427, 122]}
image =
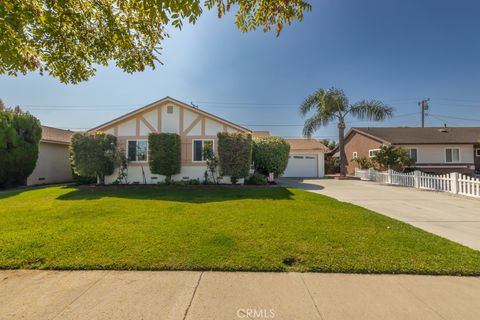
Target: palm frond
{"type": "Point", "coordinates": [336, 100]}
{"type": "Point", "coordinates": [371, 110]}
{"type": "Point", "coordinates": [315, 100]}
{"type": "Point", "coordinates": [314, 123]}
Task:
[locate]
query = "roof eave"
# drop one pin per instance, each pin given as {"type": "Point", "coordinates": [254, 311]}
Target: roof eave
{"type": "Point", "coordinates": [167, 98]}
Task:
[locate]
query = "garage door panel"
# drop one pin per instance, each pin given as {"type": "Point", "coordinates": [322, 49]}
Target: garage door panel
{"type": "Point", "coordinates": [302, 166]}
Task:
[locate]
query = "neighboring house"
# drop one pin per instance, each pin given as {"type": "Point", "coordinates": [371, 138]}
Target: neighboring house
{"type": "Point", "coordinates": [306, 159]}
{"type": "Point", "coordinates": [436, 150]}
{"type": "Point", "coordinates": [53, 164]}
{"type": "Point", "coordinates": [196, 128]}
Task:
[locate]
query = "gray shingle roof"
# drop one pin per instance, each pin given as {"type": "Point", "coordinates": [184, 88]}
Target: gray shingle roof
{"type": "Point", "coordinates": [431, 135]}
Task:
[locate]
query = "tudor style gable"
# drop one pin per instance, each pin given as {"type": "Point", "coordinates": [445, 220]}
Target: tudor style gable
{"type": "Point", "coordinates": [195, 126]}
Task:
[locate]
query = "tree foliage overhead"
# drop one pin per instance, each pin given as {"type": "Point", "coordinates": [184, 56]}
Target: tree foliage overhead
{"type": "Point", "coordinates": [270, 154]}
{"type": "Point", "coordinates": [93, 154]}
{"type": "Point", "coordinates": [164, 153]}
{"type": "Point", "coordinates": [20, 135]}
{"type": "Point", "coordinates": [68, 38]}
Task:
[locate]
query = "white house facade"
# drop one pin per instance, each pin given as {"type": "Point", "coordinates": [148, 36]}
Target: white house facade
{"type": "Point", "coordinates": [197, 129]}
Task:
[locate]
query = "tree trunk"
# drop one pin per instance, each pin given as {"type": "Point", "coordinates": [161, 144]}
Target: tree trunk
{"type": "Point", "coordinates": [341, 147]}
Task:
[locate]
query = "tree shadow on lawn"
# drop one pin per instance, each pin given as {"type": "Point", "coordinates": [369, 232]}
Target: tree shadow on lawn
{"type": "Point", "coordinates": [303, 184]}
{"type": "Point", "coordinates": [191, 194]}
{"type": "Point", "coordinates": [15, 191]}
{"type": "Point", "coordinates": [9, 193]}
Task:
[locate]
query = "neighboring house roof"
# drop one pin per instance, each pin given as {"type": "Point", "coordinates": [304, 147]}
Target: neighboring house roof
{"type": "Point", "coordinates": [431, 135]}
{"type": "Point", "coordinates": [260, 134]}
{"type": "Point", "coordinates": [306, 144]}
{"type": "Point", "coordinates": [154, 104]}
{"type": "Point", "coordinates": [55, 135]}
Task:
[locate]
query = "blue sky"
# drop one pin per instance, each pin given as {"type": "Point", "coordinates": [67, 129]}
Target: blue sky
{"type": "Point", "coordinates": [395, 51]}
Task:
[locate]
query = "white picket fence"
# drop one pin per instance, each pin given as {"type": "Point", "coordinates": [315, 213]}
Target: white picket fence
{"type": "Point", "coordinates": [452, 182]}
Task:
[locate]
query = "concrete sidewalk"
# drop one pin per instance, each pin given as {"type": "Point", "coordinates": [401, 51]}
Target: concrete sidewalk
{"type": "Point", "coordinates": [219, 295]}
{"type": "Point", "coordinates": [452, 217]}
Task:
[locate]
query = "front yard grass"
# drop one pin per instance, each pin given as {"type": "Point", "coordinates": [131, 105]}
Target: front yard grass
{"type": "Point", "coordinates": [218, 228]}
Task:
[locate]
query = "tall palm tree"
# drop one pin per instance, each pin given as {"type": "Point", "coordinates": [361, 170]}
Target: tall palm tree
{"type": "Point", "coordinates": [332, 105]}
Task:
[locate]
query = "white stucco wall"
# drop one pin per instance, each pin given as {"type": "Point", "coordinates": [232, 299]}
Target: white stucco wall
{"type": "Point", "coordinates": [135, 175]}
{"type": "Point", "coordinates": [152, 118]}
{"type": "Point", "coordinates": [127, 128]}
{"type": "Point", "coordinates": [170, 121]}
{"type": "Point", "coordinates": [212, 127]}
{"type": "Point", "coordinates": [53, 165]}
{"type": "Point", "coordinates": [436, 153]}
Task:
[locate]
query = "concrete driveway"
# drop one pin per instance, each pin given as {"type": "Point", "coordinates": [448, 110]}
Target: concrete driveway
{"type": "Point", "coordinates": [452, 217]}
{"type": "Point", "coordinates": [27, 294]}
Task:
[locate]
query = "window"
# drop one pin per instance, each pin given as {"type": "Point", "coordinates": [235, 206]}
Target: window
{"type": "Point", "coordinates": [310, 157]}
{"type": "Point", "coordinates": [354, 155]}
{"type": "Point", "coordinates": [372, 152]}
{"type": "Point", "coordinates": [137, 150]}
{"type": "Point", "coordinates": [452, 155]}
{"type": "Point", "coordinates": [477, 152]}
{"type": "Point", "coordinates": [413, 154]}
{"type": "Point", "coordinates": [169, 109]}
{"type": "Point", "coordinates": [199, 148]}
{"type": "Point", "coordinates": [297, 157]}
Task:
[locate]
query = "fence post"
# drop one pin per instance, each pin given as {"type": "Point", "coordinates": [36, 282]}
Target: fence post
{"type": "Point", "coordinates": [356, 174]}
{"type": "Point", "coordinates": [454, 182]}
{"type": "Point", "coordinates": [389, 181]}
{"type": "Point", "coordinates": [416, 179]}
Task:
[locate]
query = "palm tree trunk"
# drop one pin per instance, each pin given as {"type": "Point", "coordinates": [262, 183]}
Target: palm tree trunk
{"type": "Point", "coordinates": [341, 147]}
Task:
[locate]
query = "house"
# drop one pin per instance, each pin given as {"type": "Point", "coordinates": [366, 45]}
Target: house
{"type": "Point", "coordinates": [436, 150]}
{"type": "Point", "coordinates": [306, 159]}
{"type": "Point", "coordinates": [197, 129]}
{"type": "Point", "coordinates": [53, 164]}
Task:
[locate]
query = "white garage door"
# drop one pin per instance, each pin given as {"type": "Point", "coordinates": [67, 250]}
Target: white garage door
{"type": "Point", "coordinates": [302, 166]}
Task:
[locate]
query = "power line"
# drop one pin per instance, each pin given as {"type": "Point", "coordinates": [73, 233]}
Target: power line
{"type": "Point", "coordinates": [459, 100]}
{"type": "Point", "coordinates": [211, 104]}
{"type": "Point", "coordinates": [457, 118]}
{"type": "Point", "coordinates": [477, 106]}
{"type": "Point", "coordinates": [443, 121]}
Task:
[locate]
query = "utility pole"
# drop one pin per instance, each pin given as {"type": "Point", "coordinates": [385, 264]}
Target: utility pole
{"type": "Point", "coordinates": [424, 105]}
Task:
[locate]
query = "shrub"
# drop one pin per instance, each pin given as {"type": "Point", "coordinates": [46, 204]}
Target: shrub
{"type": "Point", "coordinates": [364, 162]}
{"type": "Point", "coordinates": [93, 154]}
{"type": "Point", "coordinates": [391, 157]}
{"type": "Point", "coordinates": [332, 164]}
{"type": "Point", "coordinates": [235, 154]}
{"type": "Point", "coordinates": [164, 153]}
{"type": "Point", "coordinates": [20, 135]}
{"type": "Point", "coordinates": [211, 175]}
{"type": "Point", "coordinates": [270, 154]}
{"type": "Point", "coordinates": [81, 180]}
{"type": "Point", "coordinates": [121, 162]}
{"type": "Point", "coordinates": [256, 179]}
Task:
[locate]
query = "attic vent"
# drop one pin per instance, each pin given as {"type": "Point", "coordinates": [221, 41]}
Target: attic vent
{"type": "Point", "coordinates": [169, 109]}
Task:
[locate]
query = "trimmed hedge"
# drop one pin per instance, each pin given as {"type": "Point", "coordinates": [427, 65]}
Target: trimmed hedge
{"type": "Point", "coordinates": [20, 135]}
{"type": "Point", "coordinates": [235, 154]}
{"type": "Point", "coordinates": [164, 153]}
{"type": "Point", "coordinates": [93, 154]}
{"type": "Point", "coordinates": [270, 154]}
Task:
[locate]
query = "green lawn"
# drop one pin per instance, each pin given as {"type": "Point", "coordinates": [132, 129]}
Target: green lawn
{"type": "Point", "coordinates": [218, 228]}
